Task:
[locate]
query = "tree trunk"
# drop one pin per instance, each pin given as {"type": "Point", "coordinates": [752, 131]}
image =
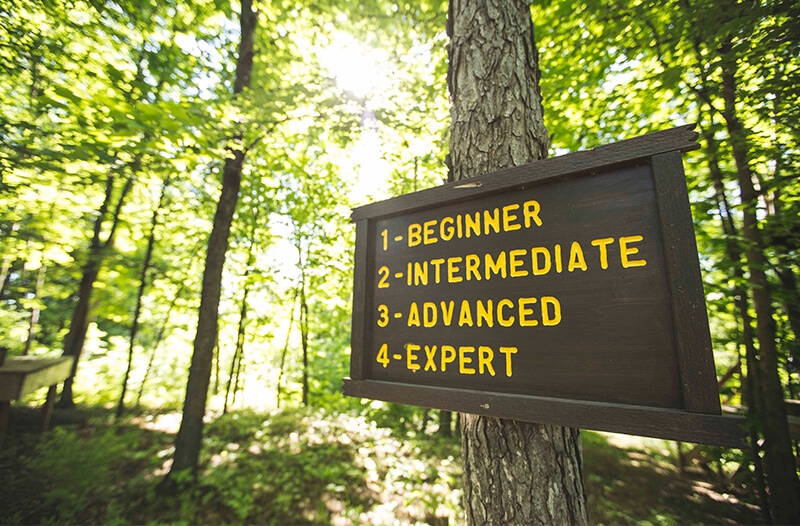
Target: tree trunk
{"type": "Point", "coordinates": [159, 337]}
{"type": "Point", "coordinates": [236, 362]}
{"type": "Point", "coordinates": [148, 256]}
{"type": "Point", "coordinates": [446, 423]}
{"type": "Point", "coordinates": [7, 258]}
{"type": "Point", "coordinates": [190, 434]}
{"type": "Point", "coordinates": [514, 472]}
{"type": "Point", "coordinates": [304, 334]}
{"type": "Point", "coordinates": [36, 310]}
{"type": "Point", "coordinates": [238, 353]}
{"type": "Point", "coordinates": [73, 342]}
{"type": "Point", "coordinates": [285, 349]}
{"type": "Point", "coordinates": [734, 252]}
{"type": "Point", "coordinates": [779, 461]}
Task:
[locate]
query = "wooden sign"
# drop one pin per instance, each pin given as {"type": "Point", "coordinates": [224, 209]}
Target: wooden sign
{"type": "Point", "coordinates": [564, 291]}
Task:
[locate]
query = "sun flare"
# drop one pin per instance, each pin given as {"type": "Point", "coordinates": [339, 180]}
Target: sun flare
{"type": "Point", "coordinates": [358, 69]}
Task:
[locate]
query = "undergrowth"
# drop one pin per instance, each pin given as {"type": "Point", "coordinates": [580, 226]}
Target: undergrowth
{"type": "Point", "coordinates": [317, 467]}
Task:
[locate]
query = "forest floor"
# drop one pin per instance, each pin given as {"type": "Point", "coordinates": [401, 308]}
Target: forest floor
{"type": "Point", "coordinates": [322, 467]}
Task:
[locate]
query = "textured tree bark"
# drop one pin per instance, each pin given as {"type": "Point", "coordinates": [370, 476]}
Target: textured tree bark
{"type": "Point", "coordinates": [521, 473]}
{"type": "Point", "coordinates": [514, 472]}
{"type": "Point", "coordinates": [496, 111]}
{"type": "Point", "coordinates": [190, 434]}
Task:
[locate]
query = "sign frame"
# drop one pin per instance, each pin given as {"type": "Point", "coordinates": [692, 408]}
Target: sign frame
{"type": "Point", "coordinates": [699, 420]}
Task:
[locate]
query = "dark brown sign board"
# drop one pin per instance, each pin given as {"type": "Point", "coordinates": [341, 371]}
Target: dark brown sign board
{"type": "Point", "coordinates": [566, 291]}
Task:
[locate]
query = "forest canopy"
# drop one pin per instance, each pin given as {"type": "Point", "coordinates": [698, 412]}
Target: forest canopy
{"type": "Point", "coordinates": [121, 120]}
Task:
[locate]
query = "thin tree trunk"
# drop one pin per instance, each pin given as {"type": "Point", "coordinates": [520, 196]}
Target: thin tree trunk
{"type": "Point", "coordinates": [304, 334]}
{"type": "Point", "coordinates": [514, 472]}
{"type": "Point", "coordinates": [285, 349]}
{"type": "Point", "coordinates": [190, 434]}
{"type": "Point", "coordinates": [784, 485]}
{"type": "Point", "coordinates": [783, 244]}
{"type": "Point", "coordinates": [733, 250]}
{"type": "Point", "coordinates": [230, 383]}
{"type": "Point", "coordinates": [791, 300]}
{"type": "Point", "coordinates": [7, 260]}
{"type": "Point", "coordinates": [236, 362]}
{"type": "Point", "coordinates": [148, 256]}
{"type": "Point", "coordinates": [73, 342]}
{"type": "Point", "coordinates": [159, 337]}
{"type": "Point", "coordinates": [734, 253]}
{"type": "Point", "coordinates": [238, 353]}
{"type": "Point", "coordinates": [238, 385]}
{"type": "Point", "coordinates": [35, 310]}
{"type": "Point", "coordinates": [445, 423]}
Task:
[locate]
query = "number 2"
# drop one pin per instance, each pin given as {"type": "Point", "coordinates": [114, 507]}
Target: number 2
{"type": "Point", "coordinates": [383, 272]}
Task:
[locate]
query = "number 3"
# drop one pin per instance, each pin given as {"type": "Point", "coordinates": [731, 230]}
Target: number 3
{"type": "Point", "coordinates": [383, 315]}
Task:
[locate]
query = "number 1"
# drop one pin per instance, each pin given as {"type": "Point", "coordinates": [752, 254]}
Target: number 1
{"type": "Point", "coordinates": [385, 236]}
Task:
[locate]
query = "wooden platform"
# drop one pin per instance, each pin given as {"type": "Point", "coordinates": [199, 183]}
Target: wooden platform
{"type": "Point", "coordinates": [23, 375]}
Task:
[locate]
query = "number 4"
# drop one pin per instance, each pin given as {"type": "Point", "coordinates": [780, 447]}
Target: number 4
{"type": "Point", "coordinates": [383, 355]}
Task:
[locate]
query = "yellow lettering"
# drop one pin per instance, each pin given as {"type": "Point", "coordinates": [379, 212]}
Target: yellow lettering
{"type": "Point", "coordinates": [413, 315]}
{"type": "Point", "coordinates": [576, 259]}
{"type": "Point", "coordinates": [485, 313]}
{"type": "Point", "coordinates": [491, 219]}
{"type": "Point", "coordinates": [602, 244]}
{"type": "Point", "coordinates": [383, 319]}
{"type": "Point", "coordinates": [429, 314]}
{"type": "Point", "coordinates": [496, 266]}
{"type": "Point", "coordinates": [464, 360]}
{"type": "Point", "coordinates": [453, 269]}
{"type": "Point", "coordinates": [448, 356]}
{"type": "Point", "coordinates": [383, 282]}
{"type": "Point", "coordinates": [414, 234]}
{"type": "Point", "coordinates": [515, 263]}
{"type": "Point", "coordinates": [625, 252]}
{"type": "Point", "coordinates": [509, 219]}
{"type": "Point", "coordinates": [557, 257]}
{"type": "Point", "coordinates": [508, 351]}
{"type": "Point", "coordinates": [430, 354]}
{"type": "Point", "coordinates": [472, 224]}
{"type": "Point", "coordinates": [473, 263]}
{"type": "Point", "coordinates": [383, 355]}
{"type": "Point", "coordinates": [525, 310]}
{"type": "Point", "coordinates": [501, 318]}
{"type": "Point", "coordinates": [437, 264]}
{"type": "Point", "coordinates": [530, 213]}
{"type": "Point", "coordinates": [544, 268]}
{"type": "Point", "coordinates": [428, 237]}
{"type": "Point", "coordinates": [485, 357]}
{"type": "Point", "coordinates": [447, 315]}
{"type": "Point", "coordinates": [411, 356]}
{"type": "Point", "coordinates": [408, 273]}
{"type": "Point", "coordinates": [551, 311]}
{"type": "Point", "coordinates": [446, 232]}
{"type": "Point", "coordinates": [420, 273]}
{"type": "Point", "coordinates": [465, 314]}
